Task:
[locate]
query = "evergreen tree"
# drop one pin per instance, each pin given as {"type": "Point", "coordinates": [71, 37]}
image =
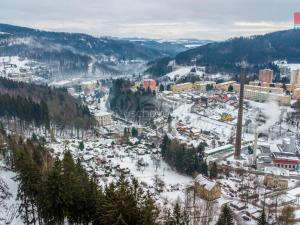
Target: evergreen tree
{"type": "Point", "coordinates": [214, 170]}
{"type": "Point", "coordinates": [177, 216]}
{"type": "Point", "coordinates": [226, 217]}
{"type": "Point", "coordinates": [262, 219]}
{"type": "Point", "coordinates": [161, 88]}
{"type": "Point", "coordinates": [230, 88]}
{"type": "Point", "coordinates": [203, 168]}
{"type": "Point", "coordinates": [81, 145]}
{"type": "Point", "coordinates": [134, 132]}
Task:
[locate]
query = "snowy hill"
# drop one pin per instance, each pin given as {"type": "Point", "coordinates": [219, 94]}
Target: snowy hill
{"type": "Point", "coordinates": [76, 53]}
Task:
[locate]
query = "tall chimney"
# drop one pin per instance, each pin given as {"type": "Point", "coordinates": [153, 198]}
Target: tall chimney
{"type": "Point", "coordinates": [255, 146]}
{"type": "Point", "coordinates": [238, 139]}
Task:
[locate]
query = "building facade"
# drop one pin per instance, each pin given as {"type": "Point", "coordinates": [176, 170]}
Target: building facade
{"type": "Point", "coordinates": [224, 86]}
{"type": "Point", "coordinates": [201, 85]}
{"type": "Point", "coordinates": [103, 118]}
{"type": "Point", "coordinates": [275, 181]}
{"type": "Point", "coordinates": [206, 188]}
{"type": "Point", "coordinates": [266, 75]}
{"type": "Point", "coordinates": [177, 88]}
{"type": "Point", "coordinates": [295, 77]}
{"type": "Point", "coordinates": [149, 84]}
{"type": "Point", "coordinates": [296, 93]}
{"type": "Point", "coordinates": [261, 96]}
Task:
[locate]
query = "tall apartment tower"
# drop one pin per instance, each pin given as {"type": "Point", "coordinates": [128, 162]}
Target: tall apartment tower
{"type": "Point", "coordinates": [266, 76]}
{"type": "Point", "coordinates": [295, 77]}
{"type": "Point", "coordinates": [238, 138]}
{"type": "Point", "coordinates": [297, 20]}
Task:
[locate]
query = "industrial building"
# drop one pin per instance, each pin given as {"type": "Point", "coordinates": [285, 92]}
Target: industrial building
{"type": "Point", "coordinates": [285, 160]}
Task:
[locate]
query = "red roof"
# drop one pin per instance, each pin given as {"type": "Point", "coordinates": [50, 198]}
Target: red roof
{"type": "Point", "coordinates": [285, 161]}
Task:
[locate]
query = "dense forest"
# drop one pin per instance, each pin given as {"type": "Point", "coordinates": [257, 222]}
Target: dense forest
{"type": "Point", "coordinates": [159, 67]}
{"type": "Point", "coordinates": [225, 56]}
{"type": "Point", "coordinates": [59, 191]}
{"type": "Point", "coordinates": [42, 105]}
{"type": "Point", "coordinates": [185, 160]}
{"type": "Point", "coordinates": [136, 105]}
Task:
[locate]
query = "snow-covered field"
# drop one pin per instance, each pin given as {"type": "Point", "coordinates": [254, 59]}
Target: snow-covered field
{"type": "Point", "coordinates": [140, 161]}
{"type": "Point", "coordinates": [8, 194]}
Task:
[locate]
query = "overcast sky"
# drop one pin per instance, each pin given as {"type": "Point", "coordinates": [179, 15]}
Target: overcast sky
{"type": "Point", "coordinates": [168, 19]}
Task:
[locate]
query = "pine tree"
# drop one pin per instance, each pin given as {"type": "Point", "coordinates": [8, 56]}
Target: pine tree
{"type": "Point", "coordinates": [203, 168]}
{"type": "Point", "coordinates": [214, 170]}
{"type": "Point", "coordinates": [262, 219]}
{"type": "Point", "coordinates": [226, 217]}
{"type": "Point", "coordinates": [177, 216]}
{"type": "Point", "coordinates": [81, 145]}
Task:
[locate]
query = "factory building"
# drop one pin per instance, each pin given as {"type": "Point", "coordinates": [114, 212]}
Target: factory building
{"type": "Point", "coordinates": [285, 160]}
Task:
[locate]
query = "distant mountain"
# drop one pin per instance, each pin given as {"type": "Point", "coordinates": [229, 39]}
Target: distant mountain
{"type": "Point", "coordinates": [224, 56]}
{"type": "Point", "coordinates": [169, 47]}
{"type": "Point", "coordinates": [69, 53]}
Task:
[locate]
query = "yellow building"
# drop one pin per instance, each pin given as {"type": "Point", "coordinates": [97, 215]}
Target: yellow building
{"type": "Point", "coordinates": [289, 87]}
{"type": "Point", "coordinates": [296, 93]}
{"type": "Point", "coordinates": [201, 85]}
{"type": "Point", "coordinates": [262, 96]}
{"type": "Point", "coordinates": [295, 77]}
{"type": "Point", "coordinates": [89, 85]}
{"type": "Point", "coordinates": [177, 88]}
{"type": "Point", "coordinates": [275, 181]}
{"type": "Point", "coordinates": [206, 188]}
{"type": "Point", "coordinates": [103, 118]}
{"type": "Point", "coordinates": [224, 86]}
{"type": "Point", "coordinates": [276, 90]}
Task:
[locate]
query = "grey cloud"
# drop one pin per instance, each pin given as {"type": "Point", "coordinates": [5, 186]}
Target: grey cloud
{"type": "Point", "coordinates": [204, 19]}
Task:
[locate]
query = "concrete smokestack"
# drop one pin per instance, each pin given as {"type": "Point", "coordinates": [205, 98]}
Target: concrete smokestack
{"type": "Point", "coordinates": [255, 146]}
{"type": "Point", "coordinates": [238, 139]}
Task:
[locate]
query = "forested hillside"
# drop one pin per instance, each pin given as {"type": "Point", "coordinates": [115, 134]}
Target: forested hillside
{"type": "Point", "coordinates": [60, 191]}
{"type": "Point", "coordinates": [225, 56]}
{"type": "Point", "coordinates": [42, 105]}
{"type": "Point", "coordinates": [131, 104]}
{"type": "Point", "coordinates": [69, 53]}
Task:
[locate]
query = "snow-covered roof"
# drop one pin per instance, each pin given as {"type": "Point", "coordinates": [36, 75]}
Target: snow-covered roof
{"type": "Point", "coordinates": [294, 192]}
{"type": "Point", "coordinates": [276, 171]}
{"type": "Point", "coordinates": [102, 114]}
{"type": "Point", "coordinates": [219, 149]}
{"type": "Point", "coordinates": [205, 182]}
